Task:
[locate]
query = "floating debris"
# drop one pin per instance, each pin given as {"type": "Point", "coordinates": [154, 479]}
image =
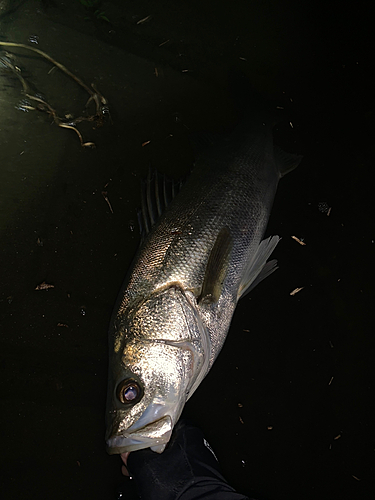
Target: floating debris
{"type": "Point", "coordinates": [324, 207]}
{"type": "Point", "coordinates": [296, 290]}
{"type": "Point", "coordinates": [44, 286]}
{"type": "Point", "coordinates": [104, 193]}
{"type": "Point", "coordinates": [144, 20]}
{"type": "Point", "coordinates": [300, 241]}
{"type": "Point", "coordinates": [34, 39]}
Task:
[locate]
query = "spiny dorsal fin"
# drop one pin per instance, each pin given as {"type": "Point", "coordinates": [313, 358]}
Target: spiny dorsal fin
{"type": "Point", "coordinates": [217, 267]}
{"type": "Point", "coordinates": [157, 193]}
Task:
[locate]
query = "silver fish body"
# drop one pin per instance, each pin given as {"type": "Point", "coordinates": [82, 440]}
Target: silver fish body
{"type": "Point", "coordinates": [173, 313]}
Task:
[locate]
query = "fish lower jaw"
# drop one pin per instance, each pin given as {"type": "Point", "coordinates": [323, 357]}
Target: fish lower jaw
{"type": "Point", "coordinates": [154, 435]}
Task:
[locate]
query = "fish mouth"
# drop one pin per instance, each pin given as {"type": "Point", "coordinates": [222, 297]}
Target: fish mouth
{"type": "Point", "coordinates": [154, 435]}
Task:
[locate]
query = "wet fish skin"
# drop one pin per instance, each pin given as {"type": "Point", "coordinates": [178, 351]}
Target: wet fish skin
{"type": "Point", "coordinates": [175, 308]}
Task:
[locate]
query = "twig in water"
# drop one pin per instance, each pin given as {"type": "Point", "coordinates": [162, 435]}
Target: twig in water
{"type": "Point", "coordinates": [100, 101]}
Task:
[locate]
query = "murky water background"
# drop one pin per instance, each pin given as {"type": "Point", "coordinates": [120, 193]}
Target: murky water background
{"type": "Point", "coordinates": [288, 406]}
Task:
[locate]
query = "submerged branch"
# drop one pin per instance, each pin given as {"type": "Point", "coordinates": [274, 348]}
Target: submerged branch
{"type": "Point", "coordinates": [100, 101]}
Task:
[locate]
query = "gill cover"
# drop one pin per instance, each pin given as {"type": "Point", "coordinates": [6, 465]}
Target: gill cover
{"type": "Point", "coordinates": [160, 362]}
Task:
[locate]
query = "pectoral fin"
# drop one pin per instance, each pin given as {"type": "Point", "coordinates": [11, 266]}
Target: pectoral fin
{"type": "Point", "coordinates": [258, 268]}
{"type": "Point", "coordinates": [217, 267]}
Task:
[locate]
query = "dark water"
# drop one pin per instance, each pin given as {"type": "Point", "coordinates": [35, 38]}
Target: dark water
{"type": "Point", "coordinates": [288, 406]}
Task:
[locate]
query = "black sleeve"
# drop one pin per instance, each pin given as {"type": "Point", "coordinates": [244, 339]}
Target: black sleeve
{"type": "Point", "coordinates": [210, 489]}
{"type": "Point", "coordinates": [186, 470]}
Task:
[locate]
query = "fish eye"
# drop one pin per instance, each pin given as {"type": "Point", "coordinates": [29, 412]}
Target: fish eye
{"type": "Point", "coordinates": [129, 392]}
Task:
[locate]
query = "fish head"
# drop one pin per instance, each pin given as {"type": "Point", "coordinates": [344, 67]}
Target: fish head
{"type": "Point", "coordinates": [158, 358]}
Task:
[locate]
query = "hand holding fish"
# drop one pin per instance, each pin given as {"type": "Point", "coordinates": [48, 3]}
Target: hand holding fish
{"type": "Point", "coordinates": [187, 469]}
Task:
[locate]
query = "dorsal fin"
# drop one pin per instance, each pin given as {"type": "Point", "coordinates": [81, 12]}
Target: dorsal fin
{"type": "Point", "coordinates": [201, 141]}
{"type": "Point", "coordinates": [157, 193]}
{"type": "Point", "coordinates": [286, 161]}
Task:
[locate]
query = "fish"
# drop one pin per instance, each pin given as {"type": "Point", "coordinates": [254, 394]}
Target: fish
{"type": "Point", "coordinates": [203, 250]}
